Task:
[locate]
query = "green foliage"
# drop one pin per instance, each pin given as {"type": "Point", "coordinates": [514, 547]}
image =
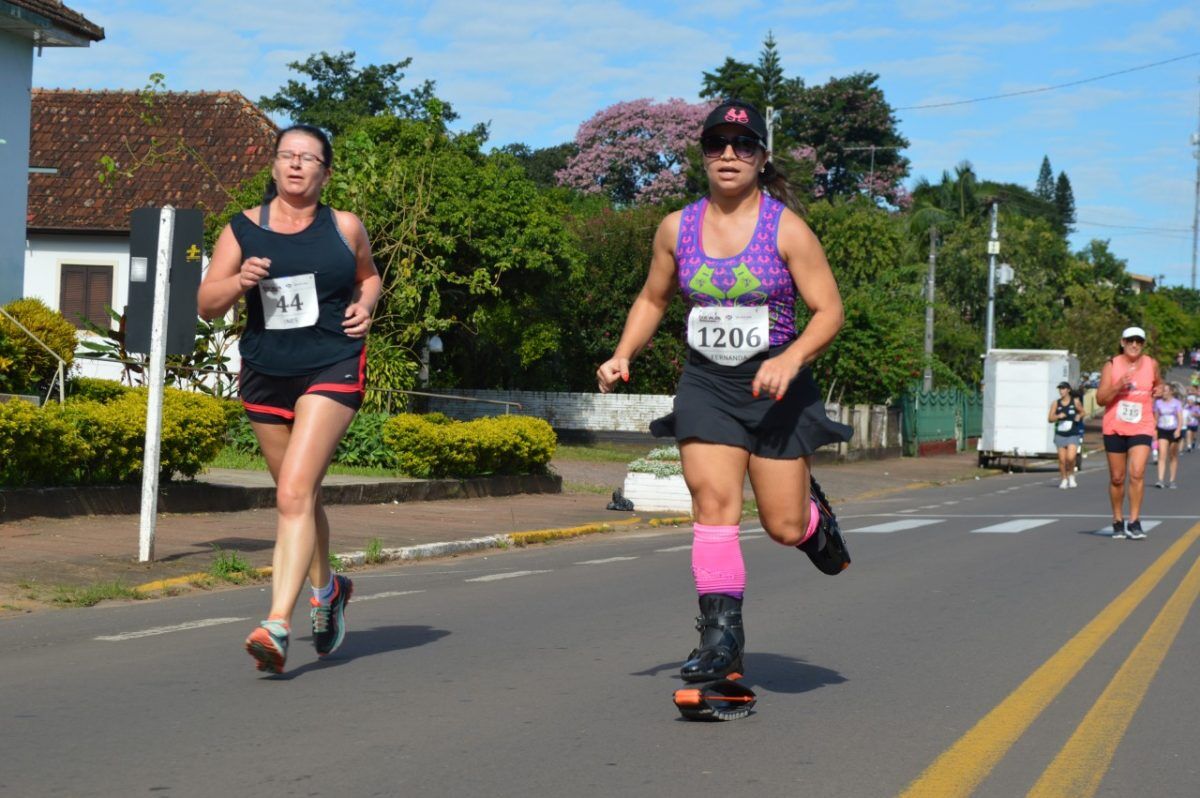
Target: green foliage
{"type": "Point", "coordinates": [97, 390]}
{"type": "Point", "coordinates": [374, 552]}
{"type": "Point", "coordinates": [363, 445]}
{"type": "Point", "coordinates": [229, 566]}
{"type": "Point", "coordinates": [542, 164]}
{"type": "Point", "coordinates": [97, 443]}
{"type": "Point", "coordinates": [25, 367]}
{"type": "Point", "coordinates": [661, 462]}
{"type": "Point", "coordinates": [336, 94]}
{"type": "Point", "coordinates": [499, 445]}
{"type": "Point", "coordinates": [861, 242]}
{"type": "Point", "coordinates": [1168, 326]}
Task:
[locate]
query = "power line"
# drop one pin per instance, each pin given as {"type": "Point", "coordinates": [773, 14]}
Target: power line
{"type": "Point", "coordinates": [1136, 227]}
{"type": "Point", "coordinates": [1048, 88]}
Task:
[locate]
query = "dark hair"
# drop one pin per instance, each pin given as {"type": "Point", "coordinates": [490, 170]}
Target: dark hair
{"type": "Point", "coordinates": [272, 191]}
{"type": "Point", "coordinates": [775, 183]}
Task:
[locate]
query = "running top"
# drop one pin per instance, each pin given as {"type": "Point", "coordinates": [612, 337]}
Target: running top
{"type": "Point", "coordinates": [1168, 412]}
{"type": "Point", "coordinates": [294, 317]}
{"type": "Point", "coordinates": [1066, 426]}
{"type": "Point", "coordinates": [754, 277]}
{"type": "Point", "coordinates": [1130, 411]}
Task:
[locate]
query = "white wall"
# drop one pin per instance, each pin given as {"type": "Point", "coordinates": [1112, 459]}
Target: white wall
{"type": "Point", "coordinates": [16, 74]}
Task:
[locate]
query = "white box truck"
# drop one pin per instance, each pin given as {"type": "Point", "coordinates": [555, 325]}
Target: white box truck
{"type": "Point", "coordinates": [1018, 387]}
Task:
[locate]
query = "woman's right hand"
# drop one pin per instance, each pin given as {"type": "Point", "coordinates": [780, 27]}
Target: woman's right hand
{"type": "Point", "coordinates": [611, 370]}
{"type": "Point", "coordinates": [252, 271]}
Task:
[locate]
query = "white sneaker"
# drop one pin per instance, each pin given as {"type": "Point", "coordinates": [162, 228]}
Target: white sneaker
{"type": "Point", "coordinates": [1071, 482]}
{"type": "Point", "coordinates": [1063, 485]}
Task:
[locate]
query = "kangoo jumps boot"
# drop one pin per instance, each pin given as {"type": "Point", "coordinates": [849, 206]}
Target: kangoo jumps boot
{"type": "Point", "coordinates": [827, 547]}
{"type": "Point", "coordinates": [721, 640]}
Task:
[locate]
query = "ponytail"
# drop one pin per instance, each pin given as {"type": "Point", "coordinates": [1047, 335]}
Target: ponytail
{"type": "Point", "coordinates": [271, 192]}
{"type": "Point", "coordinates": [775, 182]}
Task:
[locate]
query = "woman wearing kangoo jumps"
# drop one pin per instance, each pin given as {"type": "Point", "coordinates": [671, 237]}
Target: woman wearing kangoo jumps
{"type": "Point", "coordinates": [310, 286]}
{"type": "Point", "coordinates": [1129, 383]}
{"type": "Point", "coordinates": [746, 401]}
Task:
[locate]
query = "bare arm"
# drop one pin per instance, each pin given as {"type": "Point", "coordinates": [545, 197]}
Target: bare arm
{"type": "Point", "coordinates": [1053, 412]}
{"type": "Point", "coordinates": [228, 276]}
{"type": "Point", "coordinates": [648, 308]}
{"type": "Point", "coordinates": [368, 285]}
{"type": "Point", "coordinates": [802, 252]}
{"type": "Point", "coordinates": [1107, 390]}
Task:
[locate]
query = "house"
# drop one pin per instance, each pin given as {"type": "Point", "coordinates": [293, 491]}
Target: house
{"type": "Point", "coordinates": [186, 149]}
{"type": "Point", "coordinates": [26, 26]}
{"type": "Point", "coordinates": [1141, 283]}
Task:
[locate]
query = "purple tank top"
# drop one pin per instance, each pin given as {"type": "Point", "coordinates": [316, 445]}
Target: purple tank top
{"type": "Point", "coordinates": [757, 276]}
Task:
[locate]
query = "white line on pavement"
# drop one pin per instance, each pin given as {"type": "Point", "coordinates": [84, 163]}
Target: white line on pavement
{"type": "Point", "coordinates": [688, 547]}
{"type": "Point", "coordinates": [1018, 525]}
{"type": "Point", "coordinates": [896, 526]}
{"type": "Point", "coordinates": [1106, 531]}
{"type": "Point", "coordinates": [606, 560]}
{"type": "Point", "coordinates": [384, 594]}
{"type": "Point", "coordinates": [162, 630]}
{"type": "Point", "coordinates": [507, 575]}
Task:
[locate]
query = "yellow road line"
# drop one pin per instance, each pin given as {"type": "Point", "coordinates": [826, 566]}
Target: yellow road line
{"type": "Point", "coordinates": [1083, 761]}
{"type": "Point", "coordinates": [962, 766]}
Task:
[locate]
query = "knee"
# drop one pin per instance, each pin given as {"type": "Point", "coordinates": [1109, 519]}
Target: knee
{"type": "Point", "coordinates": [1137, 474]}
{"type": "Point", "coordinates": [714, 508]}
{"type": "Point", "coordinates": [788, 530]}
{"type": "Point", "coordinates": [1116, 480]}
{"type": "Point", "coordinates": [294, 499]}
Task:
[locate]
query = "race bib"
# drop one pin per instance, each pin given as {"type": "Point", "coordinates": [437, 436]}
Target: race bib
{"type": "Point", "coordinates": [729, 335]}
{"type": "Point", "coordinates": [1066, 426]}
{"type": "Point", "coordinates": [289, 303]}
{"type": "Point", "coordinates": [1129, 411]}
{"type": "Point", "coordinates": [1167, 421]}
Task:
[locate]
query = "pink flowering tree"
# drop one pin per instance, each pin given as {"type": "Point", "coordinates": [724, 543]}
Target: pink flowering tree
{"type": "Point", "coordinates": [635, 152]}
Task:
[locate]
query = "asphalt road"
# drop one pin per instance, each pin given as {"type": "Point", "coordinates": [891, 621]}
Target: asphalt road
{"type": "Point", "coordinates": [985, 641]}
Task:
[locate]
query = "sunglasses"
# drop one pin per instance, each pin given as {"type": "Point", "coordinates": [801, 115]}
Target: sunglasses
{"type": "Point", "coordinates": [1135, 340]}
{"type": "Point", "coordinates": [744, 147]}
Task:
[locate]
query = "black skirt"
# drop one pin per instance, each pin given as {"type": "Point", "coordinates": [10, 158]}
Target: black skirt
{"type": "Point", "coordinates": [713, 404]}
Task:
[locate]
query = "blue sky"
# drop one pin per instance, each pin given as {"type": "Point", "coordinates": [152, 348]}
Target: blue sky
{"type": "Point", "coordinates": [536, 70]}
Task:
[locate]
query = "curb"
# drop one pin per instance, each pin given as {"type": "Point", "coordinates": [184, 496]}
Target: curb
{"type": "Point", "coordinates": [427, 551]}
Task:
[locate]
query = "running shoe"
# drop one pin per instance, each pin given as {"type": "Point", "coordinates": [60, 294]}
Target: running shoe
{"type": "Point", "coordinates": [268, 644]}
{"type": "Point", "coordinates": [1071, 482]}
{"type": "Point", "coordinates": [329, 620]}
{"type": "Point", "coordinates": [1172, 486]}
{"type": "Point", "coordinates": [1063, 485]}
{"type": "Point", "coordinates": [826, 547]}
{"type": "Point", "coordinates": [1134, 531]}
{"type": "Point", "coordinates": [1118, 530]}
{"type": "Point", "coordinates": [1159, 484]}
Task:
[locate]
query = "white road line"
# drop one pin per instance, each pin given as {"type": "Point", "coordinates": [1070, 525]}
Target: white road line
{"type": "Point", "coordinates": [688, 547]}
{"type": "Point", "coordinates": [1017, 525]}
{"type": "Point", "coordinates": [163, 630]}
{"type": "Point", "coordinates": [508, 575]}
{"type": "Point", "coordinates": [896, 526]}
{"type": "Point", "coordinates": [606, 560]}
{"type": "Point", "coordinates": [1106, 531]}
{"type": "Point", "coordinates": [383, 595]}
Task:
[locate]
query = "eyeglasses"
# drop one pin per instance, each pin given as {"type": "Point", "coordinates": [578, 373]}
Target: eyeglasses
{"type": "Point", "coordinates": [744, 147]}
{"type": "Point", "coordinates": [306, 158]}
{"type": "Point", "coordinates": [1134, 340]}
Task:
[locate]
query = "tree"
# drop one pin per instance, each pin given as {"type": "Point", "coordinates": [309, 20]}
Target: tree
{"type": "Point", "coordinates": [1045, 181]}
{"type": "Point", "coordinates": [541, 165]}
{"type": "Point", "coordinates": [1064, 201]}
{"type": "Point", "coordinates": [635, 152]}
{"type": "Point", "coordinates": [340, 94]}
{"type": "Point", "coordinates": [762, 84]}
{"type": "Point", "coordinates": [854, 137]}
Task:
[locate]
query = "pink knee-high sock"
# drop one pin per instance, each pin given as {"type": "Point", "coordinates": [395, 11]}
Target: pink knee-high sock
{"type": "Point", "coordinates": [813, 517]}
{"type": "Point", "coordinates": [717, 563]}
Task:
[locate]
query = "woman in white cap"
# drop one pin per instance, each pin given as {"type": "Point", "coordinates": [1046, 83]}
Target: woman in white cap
{"type": "Point", "coordinates": [747, 401]}
{"type": "Point", "coordinates": [1065, 413]}
{"type": "Point", "coordinates": [1129, 383]}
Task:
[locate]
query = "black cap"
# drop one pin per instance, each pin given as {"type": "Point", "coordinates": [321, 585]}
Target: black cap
{"type": "Point", "coordinates": [1064, 385]}
{"type": "Point", "coordinates": [736, 112]}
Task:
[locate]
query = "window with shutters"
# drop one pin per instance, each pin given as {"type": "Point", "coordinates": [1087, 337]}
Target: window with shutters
{"type": "Point", "coordinates": [85, 293]}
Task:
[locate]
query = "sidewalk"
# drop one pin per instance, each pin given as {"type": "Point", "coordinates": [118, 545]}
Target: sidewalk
{"type": "Point", "coordinates": [39, 555]}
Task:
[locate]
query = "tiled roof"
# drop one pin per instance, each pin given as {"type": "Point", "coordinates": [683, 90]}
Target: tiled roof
{"type": "Point", "coordinates": [72, 130]}
{"type": "Point", "coordinates": [66, 18]}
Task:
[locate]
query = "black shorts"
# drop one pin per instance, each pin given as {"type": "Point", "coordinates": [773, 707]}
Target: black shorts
{"type": "Point", "coordinates": [1169, 434]}
{"type": "Point", "coordinates": [713, 404]}
{"type": "Point", "coordinates": [1120, 444]}
{"type": "Point", "coordinates": [272, 400]}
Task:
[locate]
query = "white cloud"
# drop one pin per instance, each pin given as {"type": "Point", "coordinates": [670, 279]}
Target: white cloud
{"type": "Point", "coordinates": [1167, 34]}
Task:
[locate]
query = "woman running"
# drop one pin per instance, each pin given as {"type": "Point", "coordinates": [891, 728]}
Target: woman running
{"type": "Point", "coordinates": [1065, 414]}
{"type": "Point", "coordinates": [1191, 414]}
{"type": "Point", "coordinates": [1170, 424]}
{"type": "Point", "coordinates": [746, 400]}
{"type": "Point", "coordinates": [1129, 383]}
{"type": "Point", "coordinates": [310, 287]}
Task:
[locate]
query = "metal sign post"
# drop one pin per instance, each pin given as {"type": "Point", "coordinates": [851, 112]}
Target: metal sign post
{"type": "Point", "coordinates": [155, 378]}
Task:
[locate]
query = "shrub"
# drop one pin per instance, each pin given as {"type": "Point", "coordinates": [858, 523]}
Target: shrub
{"type": "Point", "coordinates": [499, 445]}
{"type": "Point", "coordinates": [30, 367]}
{"type": "Point", "coordinates": [95, 389]}
{"type": "Point", "coordinates": [363, 445]}
{"type": "Point", "coordinates": [92, 442]}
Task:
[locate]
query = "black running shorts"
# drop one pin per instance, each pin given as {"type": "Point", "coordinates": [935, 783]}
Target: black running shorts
{"type": "Point", "coordinates": [1120, 444]}
{"type": "Point", "coordinates": [272, 400]}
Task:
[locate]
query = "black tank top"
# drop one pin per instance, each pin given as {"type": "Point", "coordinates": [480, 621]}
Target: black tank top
{"type": "Point", "coordinates": [300, 340]}
{"type": "Point", "coordinates": [1070, 410]}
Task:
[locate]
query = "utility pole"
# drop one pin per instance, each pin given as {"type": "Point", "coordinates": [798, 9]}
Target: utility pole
{"type": "Point", "coordinates": [1196, 212]}
{"type": "Point", "coordinates": [927, 384]}
{"type": "Point", "coordinates": [989, 341]}
{"type": "Point", "coordinates": [770, 128]}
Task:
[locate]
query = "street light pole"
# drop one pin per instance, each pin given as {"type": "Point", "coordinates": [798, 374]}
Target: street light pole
{"type": "Point", "coordinates": [927, 383]}
{"type": "Point", "coordinates": [993, 250]}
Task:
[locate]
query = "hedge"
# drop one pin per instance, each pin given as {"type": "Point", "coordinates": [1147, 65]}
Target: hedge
{"type": "Point", "coordinates": [441, 448]}
{"type": "Point", "coordinates": [25, 367]}
{"type": "Point", "coordinates": [88, 442]}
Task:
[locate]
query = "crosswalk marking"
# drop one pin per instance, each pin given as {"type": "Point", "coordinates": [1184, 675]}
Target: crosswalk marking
{"type": "Point", "coordinates": [896, 526]}
{"type": "Point", "coordinates": [1016, 525]}
{"type": "Point", "coordinates": [162, 630]}
{"type": "Point", "coordinates": [506, 575]}
{"type": "Point", "coordinates": [606, 560]}
{"type": "Point", "coordinates": [1106, 531]}
{"type": "Point", "coordinates": [385, 594]}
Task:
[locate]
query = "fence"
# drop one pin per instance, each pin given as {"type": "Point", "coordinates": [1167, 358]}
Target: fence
{"type": "Point", "coordinates": [941, 422]}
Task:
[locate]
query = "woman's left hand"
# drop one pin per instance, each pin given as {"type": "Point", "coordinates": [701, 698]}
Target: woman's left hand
{"type": "Point", "coordinates": [774, 376]}
{"type": "Point", "coordinates": [358, 321]}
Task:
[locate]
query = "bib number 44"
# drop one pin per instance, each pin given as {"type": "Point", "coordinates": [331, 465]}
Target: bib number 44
{"type": "Point", "coordinates": [289, 303]}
